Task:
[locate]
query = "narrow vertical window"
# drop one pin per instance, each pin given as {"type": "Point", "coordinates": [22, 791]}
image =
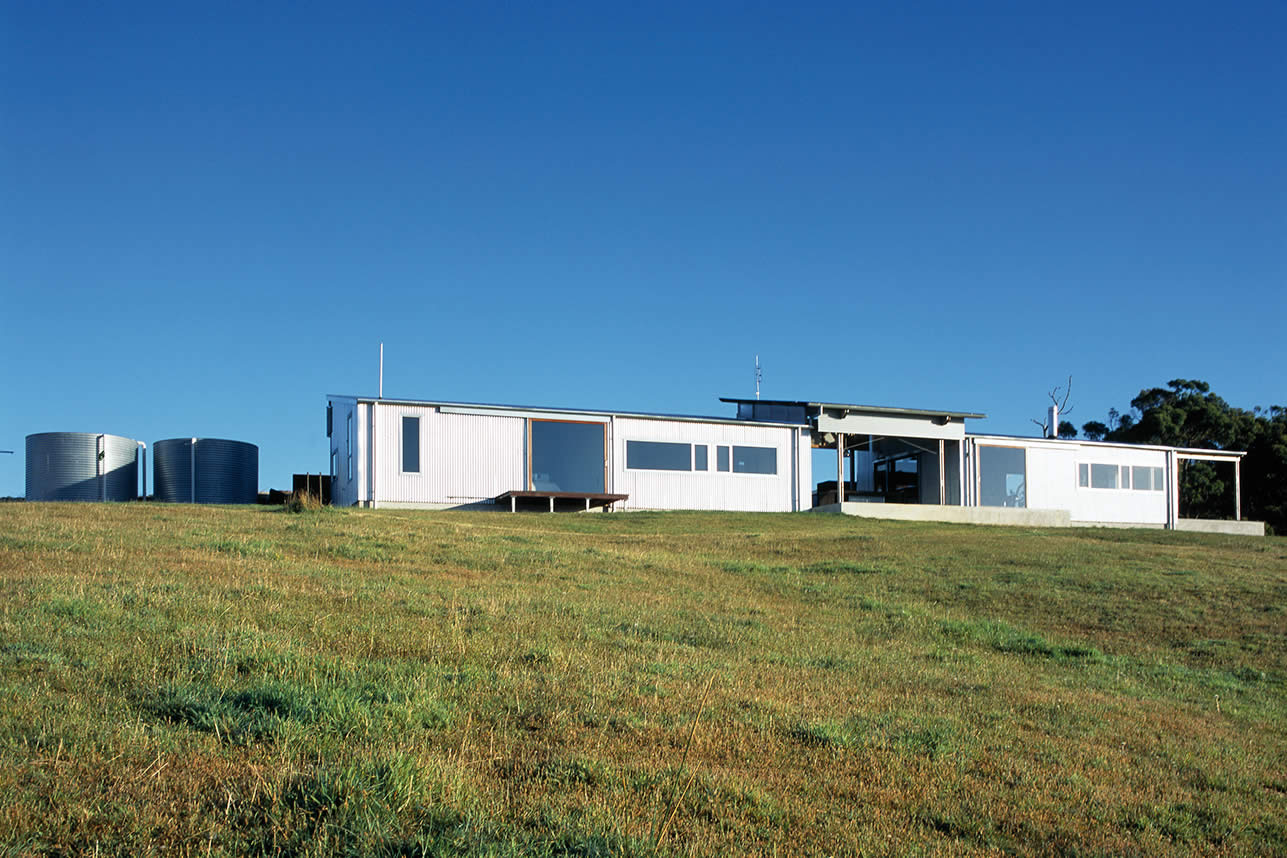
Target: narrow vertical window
{"type": "Point", "coordinates": [1158, 485]}
{"type": "Point", "coordinates": [721, 458]}
{"type": "Point", "coordinates": [1126, 476]}
{"type": "Point", "coordinates": [699, 457]}
{"type": "Point", "coordinates": [411, 445]}
{"type": "Point", "coordinates": [1083, 476]}
{"type": "Point", "coordinates": [349, 445]}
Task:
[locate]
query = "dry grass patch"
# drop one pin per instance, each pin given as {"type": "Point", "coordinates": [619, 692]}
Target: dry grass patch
{"type": "Point", "coordinates": [200, 680]}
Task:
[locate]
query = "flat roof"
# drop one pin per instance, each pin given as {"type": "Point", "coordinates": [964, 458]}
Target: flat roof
{"type": "Point", "coordinates": [866, 409]}
{"type": "Point", "coordinates": [541, 409]}
{"type": "Point", "coordinates": [1182, 452]}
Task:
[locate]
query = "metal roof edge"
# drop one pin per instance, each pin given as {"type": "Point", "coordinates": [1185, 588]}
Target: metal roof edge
{"type": "Point", "coordinates": [1086, 442]}
{"type": "Point", "coordinates": [598, 412]}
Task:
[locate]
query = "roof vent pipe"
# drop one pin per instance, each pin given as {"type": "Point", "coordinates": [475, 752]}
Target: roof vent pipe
{"type": "Point", "coordinates": [1052, 422]}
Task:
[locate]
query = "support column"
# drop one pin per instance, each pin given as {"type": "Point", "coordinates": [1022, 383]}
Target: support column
{"type": "Point", "coordinates": [551, 503]}
{"type": "Point", "coordinates": [1237, 489]}
{"type": "Point", "coordinates": [840, 467]}
{"type": "Point", "coordinates": [942, 473]}
{"type": "Point", "coordinates": [1172, 489]}
{"type": "Point", "coordinates": [960, 472]}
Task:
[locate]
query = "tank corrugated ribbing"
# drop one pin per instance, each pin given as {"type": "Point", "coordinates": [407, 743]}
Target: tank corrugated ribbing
{"type": "Point", "coordinates": [225, 471]}
{"type": "Point", "coordinates": [66, 466]}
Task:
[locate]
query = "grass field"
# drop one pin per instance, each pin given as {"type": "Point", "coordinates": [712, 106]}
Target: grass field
{"type": "Point", "coordinates": [181, 680]}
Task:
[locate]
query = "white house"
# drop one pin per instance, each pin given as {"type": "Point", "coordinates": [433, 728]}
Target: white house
{"type": "Point", "coordinates": [890, 462]}
{"type": "Point", "coordinates": [393, 453]}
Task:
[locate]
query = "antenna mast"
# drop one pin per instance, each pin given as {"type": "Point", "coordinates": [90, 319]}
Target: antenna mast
{"type": "Point", "coordinates": [758, 376]}
{"type": "Point", "coordinates": [382, 370]}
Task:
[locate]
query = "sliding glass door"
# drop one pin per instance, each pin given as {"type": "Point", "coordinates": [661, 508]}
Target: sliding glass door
{"type": "Point", "coordinates": [566, 456]}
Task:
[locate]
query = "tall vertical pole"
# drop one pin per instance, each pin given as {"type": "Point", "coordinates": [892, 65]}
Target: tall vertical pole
{"type": "Point", "coordinates": [381, 371]}
{"type": "Point", "coordinates": [960, 472]}
{"type": "Point", "coordinates": [840, 467]}
{"type": "Point", "coordinates": [942, 473]}
{"type": "Point", "coordinates": [100, 466]}
{"type": "Point", "coordinates": [1237, 489]}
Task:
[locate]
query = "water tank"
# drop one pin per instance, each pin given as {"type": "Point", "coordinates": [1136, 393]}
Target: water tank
{"type": "Point", "coordinates": [205, 470]}
{"type": "Point", "coordinates": [81, 466]}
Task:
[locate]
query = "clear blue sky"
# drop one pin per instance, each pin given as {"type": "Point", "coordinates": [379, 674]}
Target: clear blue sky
{"type": "Point", "coordinates": [211, 215]}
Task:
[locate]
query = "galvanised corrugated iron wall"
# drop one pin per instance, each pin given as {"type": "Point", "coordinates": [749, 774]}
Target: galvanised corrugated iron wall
{"type": "Point", "coordinates": [710, 489]}
{"type": "Point", "coordinates": [65, 466]}
{"type": "Point", "coordinates": [464, 458]}
{"type": "Point", "coordinates": [226, 471]}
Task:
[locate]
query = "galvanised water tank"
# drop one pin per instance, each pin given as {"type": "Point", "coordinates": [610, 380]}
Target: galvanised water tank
{"type": "Point", "coordinates": [205, 470]}
{"type": "Point", "coordinates": [82, 466]}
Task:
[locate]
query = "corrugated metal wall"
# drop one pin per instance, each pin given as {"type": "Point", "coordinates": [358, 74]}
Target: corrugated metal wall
{"type": "Point", "coordinates": [66, 466]}
{"type": "Point", "coordinates": [224, 471]}
{"type": "Point", "coordinates": [1051, 480]}
{"type": "Point", "coordinates": [472, 457]}
{"type": "Point", "coordinates": [711, 489]}
{"type": "Point", "coordinates": [464, 458]}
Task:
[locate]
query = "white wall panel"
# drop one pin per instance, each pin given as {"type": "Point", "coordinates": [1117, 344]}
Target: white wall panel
{"type": "Point", "coordinates": [711, 489]}
{"type": "Point", "coordinates": [1052, 480]}
{"type": "Point", "coordinates": [467, 456]}
{"type": "Point", "coordinates": [464, 458]}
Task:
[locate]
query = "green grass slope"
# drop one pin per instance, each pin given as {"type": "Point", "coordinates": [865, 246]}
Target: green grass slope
{"type": "Point", "coordinates": [180, 680]}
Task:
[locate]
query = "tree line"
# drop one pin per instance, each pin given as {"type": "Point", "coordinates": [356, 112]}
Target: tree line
{"type": "Point", "coordinates": [1186, 413]}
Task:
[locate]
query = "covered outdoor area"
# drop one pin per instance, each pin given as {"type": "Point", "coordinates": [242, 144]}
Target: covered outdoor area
{"type": "Point", "coordinates": [881, 455]}
{"type": "Point", "coordinates": [890, 455]}
{"type": "Point", "coordinates": [1185, 456]}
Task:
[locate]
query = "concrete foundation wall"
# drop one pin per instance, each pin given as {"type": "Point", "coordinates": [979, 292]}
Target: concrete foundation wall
{"type": "Point", "coordinates": [1023, 517]}
{"type": "Point", "coordinates": [952, 514]}
{"type": "Point", "coordinates": [1202, 525]}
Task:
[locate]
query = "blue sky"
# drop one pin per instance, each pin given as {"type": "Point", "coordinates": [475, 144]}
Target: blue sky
{"type": "Point", "coordinates": [211, 216]}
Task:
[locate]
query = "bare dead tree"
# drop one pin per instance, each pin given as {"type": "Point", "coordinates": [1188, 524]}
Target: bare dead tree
{"type": "Point", "coordinates": [1061, 407]}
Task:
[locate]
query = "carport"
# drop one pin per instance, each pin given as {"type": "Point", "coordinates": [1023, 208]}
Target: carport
{"type": "Point", "coordinates": [882, 437]}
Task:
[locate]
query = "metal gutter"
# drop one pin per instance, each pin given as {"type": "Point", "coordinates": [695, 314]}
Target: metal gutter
{"type": "Point", "coordinates": [1185, 452]}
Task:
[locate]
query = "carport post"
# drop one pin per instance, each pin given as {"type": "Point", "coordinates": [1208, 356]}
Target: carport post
{"type": "Point", "coordinates": [942, 475]}
{"type": "Point", "coordinates": [1237, 489]}
{"type": "Point", "coordinates": [840, 467]}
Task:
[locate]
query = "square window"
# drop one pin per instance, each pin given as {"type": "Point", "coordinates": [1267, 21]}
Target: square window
{"type": "Point", "coordinates": [1103, 476]}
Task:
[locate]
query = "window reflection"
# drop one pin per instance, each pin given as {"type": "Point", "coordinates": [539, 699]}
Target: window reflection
{"type": "Point", "coordinates": [566, 457]}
